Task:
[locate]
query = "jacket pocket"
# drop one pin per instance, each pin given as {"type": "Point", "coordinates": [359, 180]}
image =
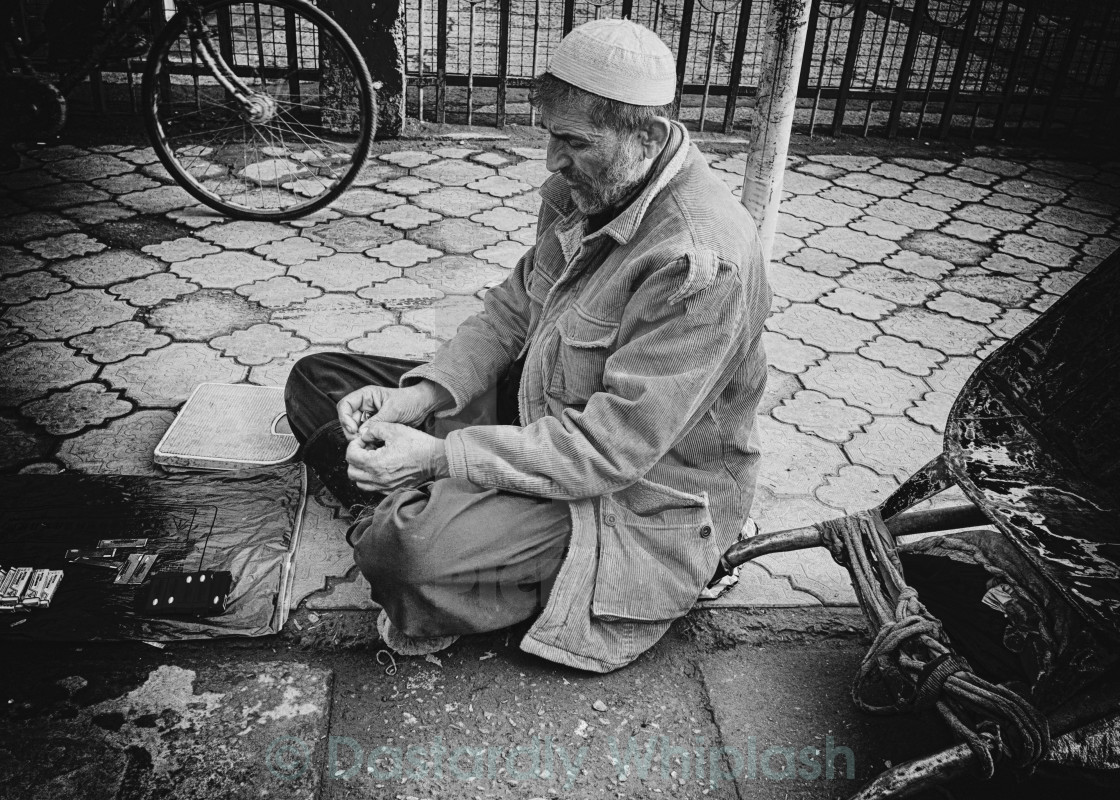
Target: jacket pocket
{"type": "Point", "coordinates": [657, 551]}
{"type": "Point", "coordinates": [581, 357]}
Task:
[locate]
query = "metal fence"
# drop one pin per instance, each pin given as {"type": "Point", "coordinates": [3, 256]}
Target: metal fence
{"type": "Point", "coordinates": [888, 67]}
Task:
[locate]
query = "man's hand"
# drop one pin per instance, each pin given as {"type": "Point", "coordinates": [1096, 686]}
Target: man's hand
{"type": "Point", "coordinates": [409, 406]}
{"type": "Point", "coordinates": [407, 457]}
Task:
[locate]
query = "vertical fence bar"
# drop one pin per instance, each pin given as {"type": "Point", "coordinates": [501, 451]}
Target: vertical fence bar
{"type": "Point", "coordinates": [682, 50]}
{"type": "Point", "coordinates": [1011, 81]}
{"type": "Point", "coordinates": [569, 15]}
{"type": "Point", "coordinates": [470, 66]}
{"type": "Point", "coordinates": [737, 63]}
{"type": "Point", "coordinates": [441, 61]}
{"type": "Point", "coordinates": [909, 53]}
{"type": "Point", "coordinates": [420, 61]}
{"type": "Point", "coordinates": [536, 44]}
{"type": "Point", "coordinates": [878, 68]}
{"type": "Point", "coordinates": [810, 43]}
{"type": "Point", "coordinates": [504, 9]}
{"type": "Point", "coordinates": [988, 69]}
{"type": "Point", "coordinates": [859, 16]}
{"type": "Point", "coordinates": [1035, 77]}
{"type": "Point", "coordinates": [963, 54]}
{"type": "Point", "coordinates": [1064, 67]}
{"type": "Point", "coordinates": [708, 69]}
{"type": "Point", "coordinates": [627, 8]}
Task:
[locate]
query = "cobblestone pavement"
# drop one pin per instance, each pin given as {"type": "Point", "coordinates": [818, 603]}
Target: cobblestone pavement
{"type": "Point", "coordinates": [893, 276]}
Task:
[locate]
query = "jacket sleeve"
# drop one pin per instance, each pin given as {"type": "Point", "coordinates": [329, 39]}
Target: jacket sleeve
{"type": "Point", "coordinates": [485, 345]}
{"type": "Point", "coordinates": [683, 342]}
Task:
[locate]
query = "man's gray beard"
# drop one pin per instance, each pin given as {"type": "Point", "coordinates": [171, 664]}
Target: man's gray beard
{"type": "Point", "coordinates": [620, 179]}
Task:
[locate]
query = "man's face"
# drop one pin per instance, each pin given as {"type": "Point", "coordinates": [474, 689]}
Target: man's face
{"type": "Point", "coordinates": [601, 166]}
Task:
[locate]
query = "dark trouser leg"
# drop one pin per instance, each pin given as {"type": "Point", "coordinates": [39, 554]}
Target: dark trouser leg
{"type": "Point", "coordinates": [450, 557]}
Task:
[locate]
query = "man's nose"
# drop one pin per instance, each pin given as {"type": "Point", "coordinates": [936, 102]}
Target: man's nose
{"type": "Point", "coordinates": [556, 158]}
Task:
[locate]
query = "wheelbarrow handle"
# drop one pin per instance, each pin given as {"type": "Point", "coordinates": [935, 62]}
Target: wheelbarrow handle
{"type": "Point", "coordinates": [920, 775]}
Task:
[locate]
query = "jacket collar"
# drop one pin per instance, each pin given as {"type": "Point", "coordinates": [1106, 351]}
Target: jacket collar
{"type": "Point", "coordinates": [556, 193]}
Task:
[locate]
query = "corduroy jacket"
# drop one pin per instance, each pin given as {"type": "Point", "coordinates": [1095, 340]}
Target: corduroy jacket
{"type": "Point", "coordinates": [643, 371]}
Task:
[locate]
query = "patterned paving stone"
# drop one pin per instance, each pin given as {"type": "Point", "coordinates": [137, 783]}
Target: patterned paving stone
{"type": "Point", "coordinates": [528, 152]}
{"type": "Point", "coordinates": [242, 234]}
{"type": "Point", "coordinates": [907, 356]}
{"type": "Point", "coordinates": [194, 217]}
{"type": "Point", "coordinates": [457, 274]}
{"type": "Point", "coordinates": [796, 227]}
{"type": "Point", "coordinates": [278, 292]}
{"type": "Point", "coordinates": [153, 289]}
{"type": "Point", "coordinates": [950, 377]}
{"type": "Point", "coordinates": [970, 231]}
{"type": "Point", "coordinates": [857, 246]}
{"type": "Point", "coordinates": [276, 372]}
{"type": "Point", "coordinates": [17, 445]}
{"type": "Point", "coordinates": [857, 304]}
{"type": "Point", "coordinates": [1012, 321]}
{"type": "Point", "coordinates": [873, 184]}
{"type": "Point", "coordinates": [157, 201]}
{"type": "Point", "coordinates": [62, 195]}
{"type": "Point", "coordinates": [353, 235]}
{"type": "Point", "coordinates": [500, 186]}
{"type": "Point", "coordinates": [376, 172]}
{"type": "Point", "coordinates": [964, 307]}
{"type": "Point", "coordinates": [528, 236]}
{"type": "Point", "coordinates": [797, 182]}
{"type": "Point", "coordinates": [206, 314]}
{"type": "Point", "coordinates": [1043, 302]}
{"type": "Point", "coordinates": [1003, 290]}
{"type": "Point", "coordinates": [946, 248]}
{"type": "Point", "coordinates": [863, 383]}
{"type": "Point", "coordinates": [67, 245]}
{"type": "Point", "coordinates": [407, 158]}
{"type": "Point", "coordinates": [897, 172]}
{"type": "Point", "coordinates": [882, 228]}
{"type": "Point", "coordinates": [822, 327]}
{"type": "Point", "coordinates": [817, 170]}
{"type": "Point", "coordinates": [817, 414]}
{"type": "Point", "coordinates": [61, 316]}
{"type": "Point", "coordinates": [952, 188]}
{"type": "Point", "coordinates": [932, 410]}
{"type": "Point", "coordinates": [812, 571]}
{"type": "Point", "coordinates": [930, 166]}
{"type": "Point", "coordinates": [1093, 206]}
{"type": "Point", "coordinates": [992, 217]}
{"type": "Point", "coordinates": [406, 217]}
{"type": "Point", "coordinates": [443, 318]}
{"type": "Point", "coordinates": [1034, 192]}
{"type": "Point", "coordinates": [403, 253]}
{"type": "Point", "coordinates": [505, 219]}
{"type": "Point", "coordinates": [794, 461]}
{"type": "Point", "coordinates": [1050, 254]}
{"type": "Point", "coordinates": [1061, 282]}
{"type": "Point", "coordinates": [847, 162]}
{"type": "Point", "coordinates": [457, 236]}
{"type": "Point", "coordinates": [1058, 234]}
{"type": "Point", "coordinates": [1008, 202]}
{"type": "Point", "coordinates": [820, 262]}
{"type": "Point", "coordinates": [533, 172]}
{"type": "Point", "coordinates": [453, 172]}
{"type": "Point", "coordinates": [75, 409]}
{"type": "Point", "coordinates": [972, 175]}
{"type": "Point", "coordinates": [898, 287]}
{"type": "Point", "coordinates": [895, 446]}
{"type": "Point", "coordinates": [258, 345]}
{"type": "Point", "coordinates": [408, 186]}
{"type": "Point", "coordinates": [490, 159]}
{"type": "Point", "coordinates": [293, 251]}
{"type": "Point", "coordinates": [31, 370]}
{"type": "Point", "coordinates": [987, 350]}
{"type": "Point", "coordinates": [344, 272]}
{"type": "Point", "coordinates": [789, 355]}
{"type": "Point", "coordinates": [824, 212]}
{"type": "Point", "coordinates": [124, 184]}
{"type": "Point", "coordinates": [13, 261]}
{"type": "Point", "coordinates": [119, 341]}
{"type": "Point", "coordinates": [938, 202]}
{"type": "Point", "coordinates": [333, 319]}
{"type": "Point", "coordinates": [401, 293]}
{"type": "Point", "coordinates": [34, 225]}
{"type": "Point", "coordinates": [455, 201]}
{"type": "Point", "coordinates": [89, 167]}
{"type": "Point", "coordinates": [139, 156]}
{"type": "Point", "coordinates": [227, 270]}
{"type": "Point", "coordinates": [105, 268]}
{"type": "Point", "coordinates": [124, 447]}
{"type": "Point", "coordinates": [849, 197]}
{"type": "Point", "coordinates": [855, 488]}
{"type": "Point", "coordinates": [920, 265]}
{"type": "Point", "coordinates": [181, 249]}
{"type": "Point", "coordinates": [165, 378]}
{"type": "Point", "coordinates": [363, 202]}
{"type": "Point", "coordinates": [780, 386]}
{"type": "Point", "coordinates": [397, 341]}
{"type": "Point", "coordinates": [26, 286]}
{"type": "Point", "coordinates": [504, 254]}
{"type": "Point", "coordinates": [796, 284]}
{"type": "Point", "coordinates": [937, 331]}
{"type": "Point", "coordinates": [996, 166]}
{"type": "Point", "coordinates": [1004, 264]}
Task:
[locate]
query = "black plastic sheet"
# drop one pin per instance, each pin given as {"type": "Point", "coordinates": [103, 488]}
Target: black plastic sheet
{"type": "Point", "coordinates": [245, 522]}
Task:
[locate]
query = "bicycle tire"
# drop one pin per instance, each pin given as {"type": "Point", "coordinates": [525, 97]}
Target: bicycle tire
{"type": "Point", "coordinates": [289, 165]}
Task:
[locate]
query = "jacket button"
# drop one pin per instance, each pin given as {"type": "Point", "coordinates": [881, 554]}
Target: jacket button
{"type": "Point", "coordinates": [609, 519]}
{"type": "Point", "coordinates": [706, 531]}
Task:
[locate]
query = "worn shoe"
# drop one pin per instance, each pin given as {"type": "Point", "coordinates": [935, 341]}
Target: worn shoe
{"type": "Point", "coordinates": [410, 645]}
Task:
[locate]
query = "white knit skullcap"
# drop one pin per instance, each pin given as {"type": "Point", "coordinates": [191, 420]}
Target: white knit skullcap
{"type": "Point", "coordinates": [617, 59]}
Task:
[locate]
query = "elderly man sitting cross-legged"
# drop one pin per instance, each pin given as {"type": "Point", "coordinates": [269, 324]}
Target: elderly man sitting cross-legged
{"type": "Point", "coordinates": [584, 449]}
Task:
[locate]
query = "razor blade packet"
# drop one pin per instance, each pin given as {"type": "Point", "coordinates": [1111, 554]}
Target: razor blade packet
{"type": "Point", "coordinates": [27, 587]}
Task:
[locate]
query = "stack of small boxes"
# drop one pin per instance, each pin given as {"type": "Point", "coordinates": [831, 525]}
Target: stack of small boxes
{"type": "Point", "coordinates": [27, 587]}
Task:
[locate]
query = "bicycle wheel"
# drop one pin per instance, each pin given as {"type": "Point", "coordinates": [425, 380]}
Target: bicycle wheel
{"type": "Point", "coordinates": [288, 147]}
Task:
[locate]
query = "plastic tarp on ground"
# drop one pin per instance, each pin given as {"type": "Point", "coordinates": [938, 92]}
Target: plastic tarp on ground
{"type": "Point", "coordinates": [245, 522]}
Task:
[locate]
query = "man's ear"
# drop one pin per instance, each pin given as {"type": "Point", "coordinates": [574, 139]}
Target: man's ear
{"type": "Point", "coordinates": [653, 136]}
